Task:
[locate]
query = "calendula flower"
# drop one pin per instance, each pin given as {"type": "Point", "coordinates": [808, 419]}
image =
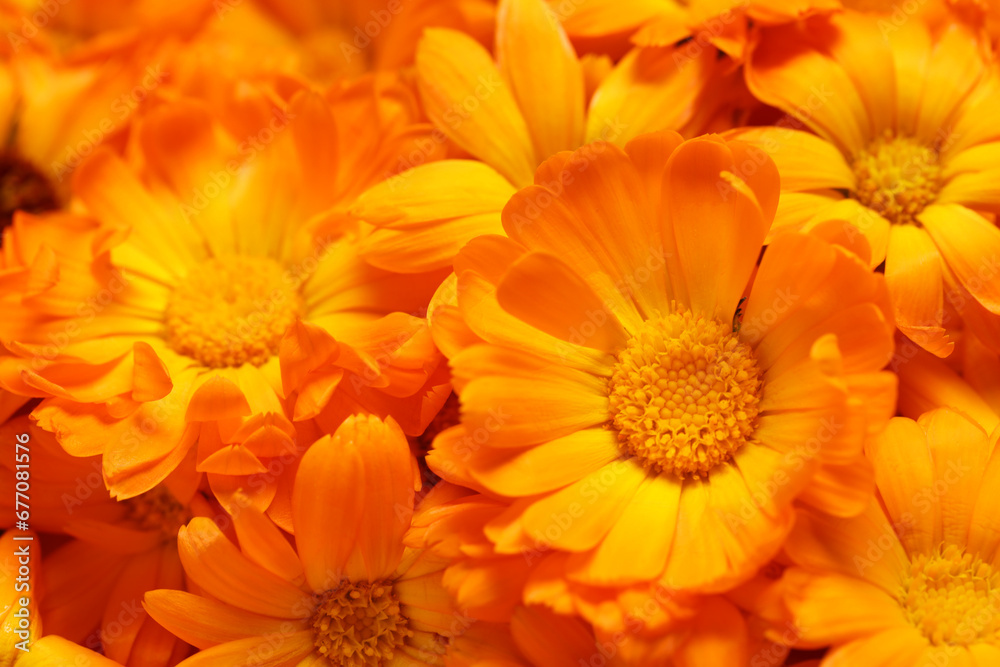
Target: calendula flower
{"type": "Point", "coordinates": [94, 583]}
{"type": "Point", "coordinates": [511, 113]}
{"type": "Point", "coordinates": [890, 147]}
{"type": "Point", "coordinates": [913, 579]}
{"type": "Point", "coordinates": [175, 332]}
{"type": "Point", "coordinates": [618, 357]}
{"type": "Point", "coordinates": [322, 41]}
{"type": "Point", "coordinates": [55, 114]}
{"type": "Point", "coordinates": [349, 593]}
{"type": "Point", "coordinates": [635, 626]}
{"type": "Point", "coordinates": [72, 77]}
{"type": "Point", "coordinates": [711, 24]}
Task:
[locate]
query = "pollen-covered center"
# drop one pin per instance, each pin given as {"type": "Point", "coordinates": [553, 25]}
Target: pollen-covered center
{"type": "Point", "coordinates": [157, 509]}
{"type": "Point", "coordinates": [359, 624]}
{"type": "Point", "coordinates": [232, 311]}
{"type": "Point", "coordinates": [897, 177]}
{"type": "Point", "coordinates": [952, 597]}
{"type": "Point", "coordinates": [684, 394]}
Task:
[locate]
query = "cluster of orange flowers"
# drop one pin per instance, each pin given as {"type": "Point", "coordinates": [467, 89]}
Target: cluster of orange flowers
{"type": "Point", "coordinates": [499, 333]}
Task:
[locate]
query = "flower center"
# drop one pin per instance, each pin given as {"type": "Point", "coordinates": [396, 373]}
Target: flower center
{"type": "Point", "coordinates": [952, 597]}
{"type": "Point", "coordinates": [897, 177]}
{"type": "Point", "coordinates": [157, 509]}
{"type": "Point", "coordinates": [359, 624]}
{"type": "Point", "coordinates": [684, 394]}
{"type": "Point", "coordinates": [23, 188]}
{"type": "Point", "coordinates": [231, 311]}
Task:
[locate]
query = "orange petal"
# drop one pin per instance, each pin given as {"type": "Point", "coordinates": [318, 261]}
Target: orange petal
{"type": "Point", "coordinates": [579, 516]}
{"type": "Point", "coordinates": [203, 622]}
{"type": "Point", "coordinates": [816, 601]}
{"type": "Point", "coordinates": [960, 450]}
{"type": "Point", "coordinates": [913, 275]}
{"type": "Point", "coordinates": [150, 378]}
{"type": "Point", "coordinates": [320, 509]}
{"type": "Point", "coordinates": [293, 648]}
{"type": "Point", "coordinates": [863, 546]}
{"type": "Point", "coordinates": [424, 216]}
{"type": "Point", "coordinates": [466, 98]}
{"type": "Point", "coordinates": [550, 97]}
{"type": "Point", "coordinates": [217, 398]}
{"type": "Point", "coordinates": [544, 467]}
{"type": "Point", "coordinates": [648, 90]}
{"type": "Point", "coordinates": [159, 233]}
{"type": "Point", "coordinates": [546, 638]}
{"type": "Point", "coordinates": [970, 245]}
{"type": "Point", "coordinates": [903, 466]}
{"type": "Point", "coordinates": [388, 487]}
{"type": "Point", "coordinates": [636, 549]}
{"type": "Point", "coordinates": [805, 161]}
{"type": "Point", "coordinates": [542, 291]}
{"type": "Point", "coordinates": [218, 567]}
{"type": "Point", "coordinates": [719, 636]}
{"type": "Point", "coordinates": [717, 221]}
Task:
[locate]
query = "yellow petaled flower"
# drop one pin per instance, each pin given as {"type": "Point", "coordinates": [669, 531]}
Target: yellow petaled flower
{"type": "Point", "coordinates": [348, 594]}
{"type": "Point", "coordinates": [216, 259]}
{"type": "Point", "coordinates": [886, 143]}
{"type": "Point", "coordinates": [647, 401]}
{"type": "Point", "coordinates": [638, 625]}
{"type": "Point", "coordinates": [94, 583]}
{"type": "Point", "coordinates": [914, 579]}
{"type": "Point", "coordinates": [511, 113]}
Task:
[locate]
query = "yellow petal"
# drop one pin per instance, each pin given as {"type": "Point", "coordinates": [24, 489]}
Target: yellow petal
{"type": "Point", "coordinates": [469, 102]}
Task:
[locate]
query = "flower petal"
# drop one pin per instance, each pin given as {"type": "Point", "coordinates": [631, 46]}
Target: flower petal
{"type": "Point", "coordinates": [466, 98]}
{"type": "Point", "coordinates": [550, 96]}
{"type": "Point", "coordinates": [717, 221]}
{"type": "Point", "coordinates": [970, 245]}
{"type": "Point", "coordinates": [218, 568]}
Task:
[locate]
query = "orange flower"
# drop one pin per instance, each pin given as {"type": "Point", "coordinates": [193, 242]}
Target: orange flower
{"type": "Point", "coordinates": [635, 626]}
{"type": "Point", "coordinates": [94, 584]}
{"type": "Point", "coordinates": [713, 24]}
{"type": "Point", "coordinates": [173, 335]}
{"type": "Point", "coordinates": [55, 114]}
{"type": "Point", "coordinates": [323, 40]}
{"type": "Point", "coordinates": [511, 114]}
{"type": "Point", "coordinates": [899, 154]}
{"type": "Point", "coordinates": [913, 579]}
{"type": "Point", "coordinates": [606, 367]}
{"type": "Point", "coordinates": [72, 77]}
{"type": "Point", "coordinates": [349, 591]}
